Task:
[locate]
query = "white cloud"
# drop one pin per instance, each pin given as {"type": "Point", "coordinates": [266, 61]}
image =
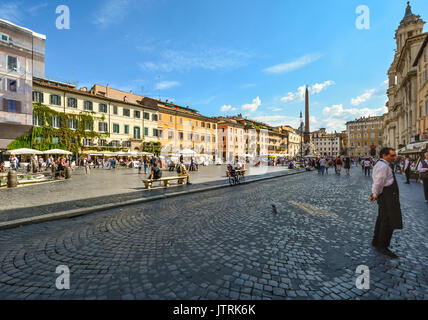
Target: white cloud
{"type": "Point", "coordinates": [167, 85]}
{"type": "Point", "coordinates": [10, 12]}
{"type": "Point", "coordinates": [363, 98]}
{"type": "Point", "coordinates": [335, 117]}
{"type": "Point", "coordinates": [252, 107]}
{"type": "Point", "coordinates": [111, 12]}
{"type": "Point", "coordinates": [227, 108]}
{"type": "Point", "coordinates": [299, 95]}
{"type": "Point", "coordinates": [290, 66]}
{"type": "Point", "coordinates": [199, 58]}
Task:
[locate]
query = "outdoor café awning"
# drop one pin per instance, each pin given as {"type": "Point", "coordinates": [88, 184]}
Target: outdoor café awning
{"type": "Point", "coordinates": [23, 152]}
{"type": "Point", "coordinates": [58, 151]}
{"type": "Point", "coordinates": [414, 148]}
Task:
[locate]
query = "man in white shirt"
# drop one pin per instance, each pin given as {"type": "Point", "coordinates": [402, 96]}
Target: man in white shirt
{"type": "Point", "coordinates": [423, 170]}
{"type": "Point", "coordinates": [385, 192]}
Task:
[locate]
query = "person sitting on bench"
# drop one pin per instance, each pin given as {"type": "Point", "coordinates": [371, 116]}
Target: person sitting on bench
{"type": "Point", "coordinates": [156, 172]}
{"type": "Point", "coordinates": [182, 171]}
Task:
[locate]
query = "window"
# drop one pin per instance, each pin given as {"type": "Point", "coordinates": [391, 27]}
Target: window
{"type": "Point", "coordinates": [55, 140]}
{"type": "Point", "coordinates": [137, 133]}
{"type": "Point", "coordinates": [155, 132]}
{"type": "Point", "coordinates": [154, 117]}
{"type": "Point", "coordinates": [208, 125]}
{"type": "Point", "coordinates": [170, 134]}
{"type": "Point", "coordinates": [72, 102]}
{"type": "Point", "coordinates": [102, 127]}
{"type": "Point", "coordinates": [12, 63]}
{"type": "Point", "coordinates": [89, 125]}
{"type": "Point", "coordinates": [137, 114]}
{"type": "Point", "coordinates": [181, 135]}
{"type": "Point", "coordinates": [37, 96]}
{"type": "Point", "coordinates": [214, 126]}
{"type": "Point", "coordinates": [73, 123]}
{"type": "Point", "coordinates": [12, 85]}
{"type": "Point", "coordinates": [103, 108]}
{"type": "Point", "coordinates": [116, 128]}
{"type": "Point", "coordinates": [55, 100]}
{"type": "Point", "coordinates": [4, 37]}
{"type": "Point", "coordinates": [56, 122]}
{"type": "Point", "coordinates": [126, 112]}
{"type": "Point", "coordinates": [88, 105]}
{"type": "Point", "coordinates": [181, 120]}
{"type": "Point", "coordinates": [146, 116]}
{"type": "Point", "coordinates": [126, 129]}
{"type": "Point", "coordinates": [146, 132]}
{"type": "Point", "coordinates": [170, 118]}
{"type": "Point", "coordinates": [36, 121]}
{"type": "Point", "coordinates": [114, 109]}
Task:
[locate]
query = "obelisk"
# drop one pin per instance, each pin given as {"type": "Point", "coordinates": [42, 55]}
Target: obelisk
{"type": "Point", "coordinates": [307, 137]}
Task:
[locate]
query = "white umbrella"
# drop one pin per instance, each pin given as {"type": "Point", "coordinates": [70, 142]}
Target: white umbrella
{"type": "Point", "coordinates": [23, 151]}
{"type": "Point", "coordinates": [188, 153]}
{"type": "Point", "coordinates": [58, 151]}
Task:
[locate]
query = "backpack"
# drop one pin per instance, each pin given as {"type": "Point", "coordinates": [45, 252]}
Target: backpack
{"type": "Point", "coordinates": [158, 174]}
{"type": "Point", "coordinates": [179, 169]}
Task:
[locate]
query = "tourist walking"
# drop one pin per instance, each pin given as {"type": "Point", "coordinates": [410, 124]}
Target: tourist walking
{"type": "Point", "coordinates": [339, 164]}
{"type": "Point", "coordinates": [87, 164]}
{"type": "Point", "coordinates": [406, 169]}
{"type": "Point", "coordinates": [323, 163]}
{"type": "Point", "coordinates": [423, 171]}
{"type": "Point", "coordinates": [367, 167]}
{"type": "Point", "coordinates": [146, 164]}
{"type": "Point", "coordinates": [385, 191]}
{"type": "Point", "coordinates": [327, 165]}
{"type": "Point", "coordinates": [347, 165]}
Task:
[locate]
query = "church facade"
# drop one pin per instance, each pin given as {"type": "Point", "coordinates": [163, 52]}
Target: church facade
{"type": "Point", "coordinates": [400, 122]}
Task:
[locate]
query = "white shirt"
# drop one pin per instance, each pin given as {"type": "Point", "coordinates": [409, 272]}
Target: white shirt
{"type": "Point", "coordinates": [382, 177]}
{"type": "Point", "coordinates": [322, 162]}
{"type": "Point", "coordinates": [406, 164]}
{"type": "Point", "coordinates": [422, 169]}
{"type": "Point", "coordinates": [367, 164]}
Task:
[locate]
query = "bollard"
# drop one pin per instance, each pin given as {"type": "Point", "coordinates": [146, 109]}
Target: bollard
{"type": "Point", "coordinates": [53, 172]}
{"type": "Point", "coordinates": [68, 173]}
{"type": "Point", "coordinates": [12, 179]}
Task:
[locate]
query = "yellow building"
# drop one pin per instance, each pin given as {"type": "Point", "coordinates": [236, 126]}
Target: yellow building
{"type": "Point", "coordinates": [183, 128]}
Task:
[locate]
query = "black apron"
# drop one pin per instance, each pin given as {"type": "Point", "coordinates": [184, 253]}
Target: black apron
{"type": "Point", "coordinates": [389, 205]}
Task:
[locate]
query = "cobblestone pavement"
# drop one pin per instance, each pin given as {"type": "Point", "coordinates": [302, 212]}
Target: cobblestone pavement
{"type": "Point", "coordinates": [226, 244]}
{"type": "Point", "coordinates": [104, 187]}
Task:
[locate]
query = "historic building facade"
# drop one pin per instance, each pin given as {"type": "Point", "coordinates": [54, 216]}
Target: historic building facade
{"type": "Point", "coordinates": [231, 139]}
{"type": "Point", "coordinates": [22, 56]}
{"type": "Point", "coordinates": [327, 144]}
{"type": "Point", "coordinates": [421, 64]}
{"type": "Point", "coordinates": [121, 121]}
{"type": "Point", "coordinates": [364, 135]}
{"type": "Point", "coordinates": [400, 122]}
{"type": "Point", "coordinates": [184, 128]}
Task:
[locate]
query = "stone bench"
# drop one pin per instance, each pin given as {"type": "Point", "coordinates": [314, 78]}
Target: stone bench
{"type": "Point", "coordinates": [148, 182]}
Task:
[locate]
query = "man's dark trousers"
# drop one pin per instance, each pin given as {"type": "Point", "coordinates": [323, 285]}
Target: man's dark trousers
{"type": "Point", "coordinates": [425, 181]}
{"type": "Point", "coordinates": [389, 218]}
{"type": "Point", "coordinates": [407, 172]}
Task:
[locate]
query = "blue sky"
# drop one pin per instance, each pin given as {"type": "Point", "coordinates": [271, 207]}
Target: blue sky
{"type": "Point", "coordinates": [227, 57]}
